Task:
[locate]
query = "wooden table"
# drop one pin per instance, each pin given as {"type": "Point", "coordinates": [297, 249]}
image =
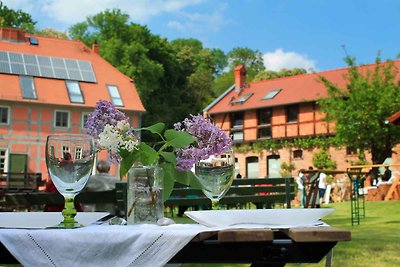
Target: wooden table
{"type": "Point", "coordinates": [259, 247]}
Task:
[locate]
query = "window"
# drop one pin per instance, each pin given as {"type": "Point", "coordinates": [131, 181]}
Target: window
{"type": "Point", "coordinates": [78, 152]}
{"type": "Point", "coordinates": [3, 160]}
{"type": "Point", "coordinates": [61, 119]}
{"type": "Point", "coordinates": [264, 116]}
{"type": "Point", "coordinates": [264, 123]}
{"type": "Point", "coordinates": [115, 96]}
{"type": "Point", "coordinates": [298, 154]}
{"type": "Point", "coordinates": [351, 151]}
{"type": "Point", "coordinates": [237, 126]}
{"type": "Point", "coordinates": [4, 115]}
{"type": "Point", "coordinates": [237, 136]}
{"type": "Point", "coordinates": [271, 94]}
{"type": "Point", "coordinates": [242, 99]}
{"type": "Point", "coordinates": [237, 120]}
{"type": "Point", "coordinates": [252, 167]}
{"type": "Point", "coordinates": [85, 117]}
{"type": "Point", "coordinates": [27, 87]}
{"type": "Point", "coordinates": [264, 133]}
{"type": "Point", "coordinates": [292, 113]}
{"type": "Point", "coordinates": [74, 92]}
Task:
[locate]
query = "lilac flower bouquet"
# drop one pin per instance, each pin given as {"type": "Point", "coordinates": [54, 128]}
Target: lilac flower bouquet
{"type": "Point", "coordinates": [179, 148]}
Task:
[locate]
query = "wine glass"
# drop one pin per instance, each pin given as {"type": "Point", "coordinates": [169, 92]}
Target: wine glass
{"type": "Point", "coordinates": [69, 159]}
{"type": "Point", "coordinates": [216, 175]}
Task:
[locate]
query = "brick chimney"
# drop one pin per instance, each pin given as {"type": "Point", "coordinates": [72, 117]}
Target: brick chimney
{"type": "Point", "coordinates": [240, 76]}
{"type": "Point", "coordinates": [95, 48]}
{"type": "Point", "coordinates": [12, 35]}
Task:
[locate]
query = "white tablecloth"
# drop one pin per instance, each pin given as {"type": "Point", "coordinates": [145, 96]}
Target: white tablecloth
{"type": "Point", "coordinates": [133, 245]}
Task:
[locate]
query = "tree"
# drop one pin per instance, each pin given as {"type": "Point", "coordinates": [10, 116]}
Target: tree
{"type": "Point", "coordinates": [49, 32]}
{"type": "Point", "coordinates": [361, 108]}
{"type": "Point", "coordinates": [251, 59]}
{"type": "Point", "coordinates": [270, 74]}
{"type": "Point", "coordinates": [16, 19]}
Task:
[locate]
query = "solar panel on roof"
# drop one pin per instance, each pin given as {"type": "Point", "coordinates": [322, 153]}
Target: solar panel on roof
{"type": "Point", "coordinates": [17, 68]}
{"type": "Point", "coordinates": [15, 57]}
{"type": "Point", "coordinates": [44, 66]}
{"type": "Point", "coordinates": [32, 70]}
{"type": "Point", "coordinates": [71, 64]}
{"type": "Point", "coordinates": [60, 73]}
{"type": "Point", "coordinates": [47, 72]}
{"type": "Point", "coordinates": [45, 61]}
{"type": "Point", "coordinates": [74, 74]}
{"type": "Point", "coordinates": [5, 67]}
{"type": "Point", "coordinates": [3, 56]}
{"type": "Point", "coordinates": [30, 59]}
{"type": "Point", "coordinates": [58, 62]}
{"type": "Point", "coordinates": [85, 65]}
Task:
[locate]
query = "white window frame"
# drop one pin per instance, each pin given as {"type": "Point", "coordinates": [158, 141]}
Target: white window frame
{"type": "Point", "coordinates": [83, 119]}
{"type": "Point", "coordinates": [4, 159]}
{"type": "Point", "coordinates": [68, 121]}
{"type": "Point", "coordinates": [8, 115]}
{"type": "Point", "coordinates": [78, 152]}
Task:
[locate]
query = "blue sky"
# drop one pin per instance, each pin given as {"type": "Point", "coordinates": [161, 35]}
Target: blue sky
{"type": "Point", "coordinates": [289, 33]}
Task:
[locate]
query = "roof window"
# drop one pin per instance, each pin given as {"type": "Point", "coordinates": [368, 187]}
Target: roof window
{"type": "Point", "coordinates": [271, 94]}
{"type": "Point", "coordinates": [242, 99]}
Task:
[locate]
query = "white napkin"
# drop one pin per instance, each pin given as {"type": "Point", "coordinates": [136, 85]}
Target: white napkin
{"type": "Point", "coordinates": [272, 218]}
{"type": "Point", "coordinates": [99, 245]}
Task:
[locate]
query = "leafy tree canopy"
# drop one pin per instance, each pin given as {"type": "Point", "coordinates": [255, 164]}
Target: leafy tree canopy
{"type": "Point", "coordinates": [361, 108]}
{"type": "Point", "coordinates": [251, 59]}
{"type": "Point", "coordinates": [16, 19]}
{"type": "Point", "coordinates": [49, 32]}
{"type": "Point", "coordinates": [270, 74]}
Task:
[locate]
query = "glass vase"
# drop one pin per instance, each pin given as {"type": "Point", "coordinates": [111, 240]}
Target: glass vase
{"type": "Point", "coordinates": [145, 194]}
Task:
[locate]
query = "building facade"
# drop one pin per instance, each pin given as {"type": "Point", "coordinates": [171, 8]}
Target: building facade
{"type": "Point", "coordinates": [49, 86]}
{"type": "Point", "coordinates": [278, 109]}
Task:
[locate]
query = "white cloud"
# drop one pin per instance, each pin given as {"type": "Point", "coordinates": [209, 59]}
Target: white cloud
{"type": "Point", "coordinates": [73, 11]}
{"type": "Point", "coordinates": [280, 59]}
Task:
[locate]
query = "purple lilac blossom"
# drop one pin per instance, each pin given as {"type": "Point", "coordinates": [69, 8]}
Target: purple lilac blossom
{"type": "Point", "coordinates": [104, 113]}
{"type": "Point", "coordinates": [210, 140]}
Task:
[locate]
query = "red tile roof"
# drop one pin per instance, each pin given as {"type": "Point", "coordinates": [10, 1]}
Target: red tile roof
{"type": "Point", "coordinates": [294, 89]}
{"type": "Point", "coordinates": [53, 91]}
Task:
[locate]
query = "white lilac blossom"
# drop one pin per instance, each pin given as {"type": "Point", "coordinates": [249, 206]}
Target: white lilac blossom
{"type": "Point", "coordinates": [210, 140]}
{"type": "Point", "coordinates": [111, 130]}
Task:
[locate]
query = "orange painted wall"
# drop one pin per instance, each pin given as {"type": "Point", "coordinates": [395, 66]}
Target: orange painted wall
{"type": "Point", "coordinates": [29, 126]}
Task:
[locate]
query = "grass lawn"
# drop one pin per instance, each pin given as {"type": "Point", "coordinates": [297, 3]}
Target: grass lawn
{"type": "Point", "coordinates": [375, 242]}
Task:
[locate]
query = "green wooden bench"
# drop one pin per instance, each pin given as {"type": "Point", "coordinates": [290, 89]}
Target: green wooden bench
{"type": "Point", "coordinates": [20, 182]}
{"type": "Point", "coordinates": [264, 191]}
{"type": "Point", "coordinates": [37, 200]}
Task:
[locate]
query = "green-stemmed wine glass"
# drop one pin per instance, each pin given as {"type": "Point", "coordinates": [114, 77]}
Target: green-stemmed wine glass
{"type": "Point", "coordinates": [69, 159]}
{"type": "Point", "coordinates": [216, 175]}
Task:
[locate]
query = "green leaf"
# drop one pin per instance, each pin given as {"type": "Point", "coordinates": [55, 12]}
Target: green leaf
{"type": "Point", "coordinates": [155, 128]}
{"type": "Point", "coordinates": [127, 162]}
{"type": "Point", "coordinates": [178, 139]}
{"type": "Point", "coordinates": [147, 154]}
{"type": "Point", "coordinates": [169, 157]}
{"type": "Point", "coordinates": [169, 179]}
